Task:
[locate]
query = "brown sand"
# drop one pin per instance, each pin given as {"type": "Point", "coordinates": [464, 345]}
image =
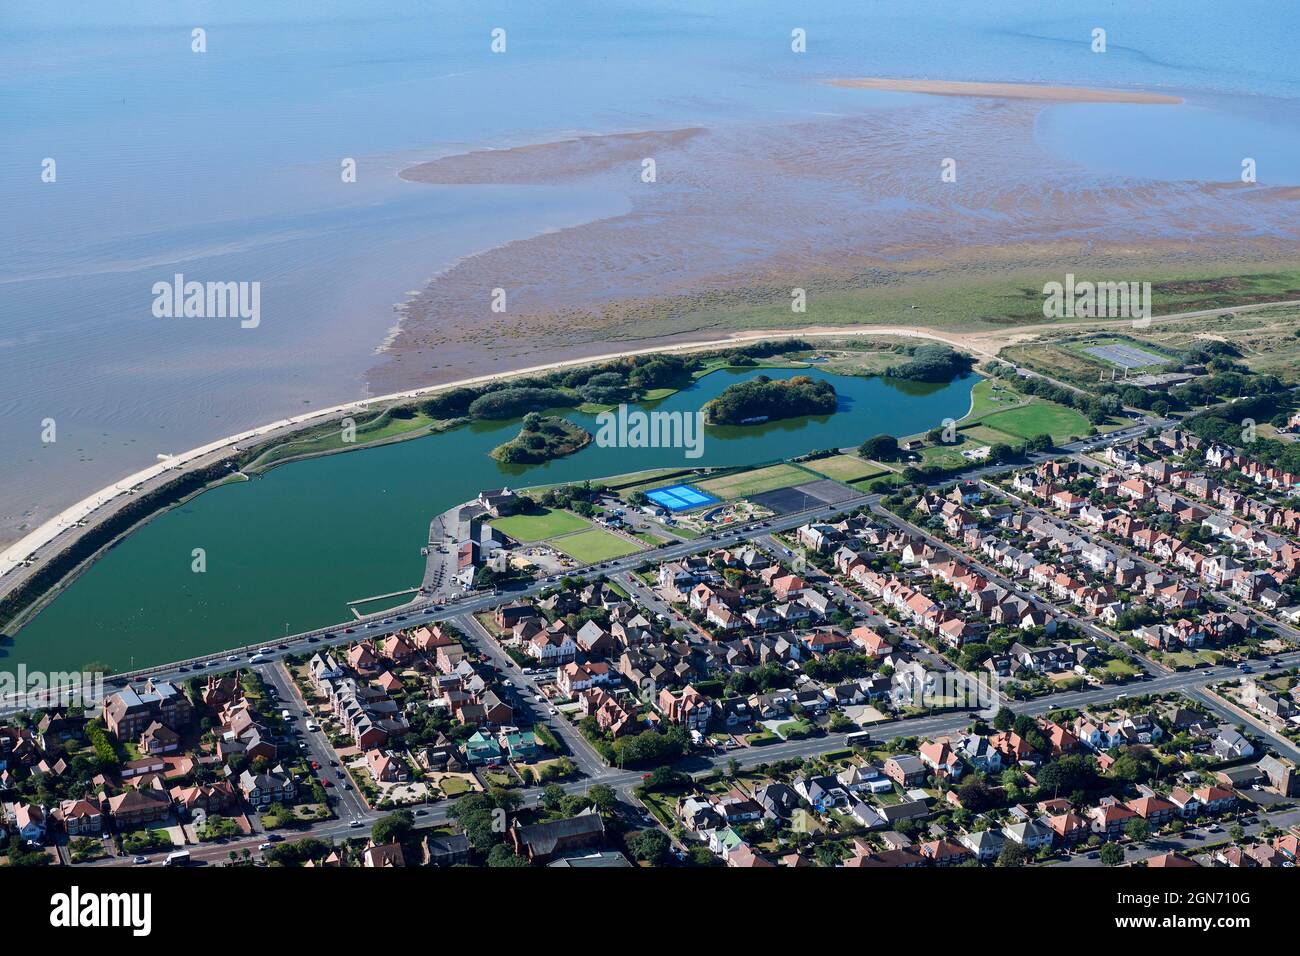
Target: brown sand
{"type": "Point", "coordinates": [548, 162]}
{"type": "Point", "coordinates": [853, 210]}
{"type": "Point", "coordinates": [1008, 91]}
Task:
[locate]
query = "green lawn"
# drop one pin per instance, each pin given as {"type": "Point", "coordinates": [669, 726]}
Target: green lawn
{"type": "Point", "coordinates": [1118, 670]}
{"type": "Point", "coordinates": [983, 435]}
{"type": "Point", "coordinates": [989, 396]}
{"type": "Point", "coordinates": [540, 524]}
{"type": "Point", "coordinates": [594, 545]}
{"type": "Point", "coordinates": [657, 394]}
{"type": "Point", "coordinates": [380, 428]}
{"type": "Point", "coordinates": [1190, 658]}
{"type": "Point", "coordinates": [1038, 418]}
{"type": "Point", "coordinates": [844, 468]}
{"type": "Point", "coordinates": [755, 482]}
{"type": "Point", "coordinates": [889, 477]}
{"type": "Point", "coordinates": [453, 786]}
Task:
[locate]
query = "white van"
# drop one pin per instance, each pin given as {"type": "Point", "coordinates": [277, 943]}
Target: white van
{"type": "Point", "coordinates": [179, 858]}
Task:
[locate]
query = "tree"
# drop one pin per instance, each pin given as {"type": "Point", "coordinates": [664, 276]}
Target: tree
{"type": "Point", "coordinates": [1138, 830]}
{"type": "Point", "coordinates": [665, 778]}
{"type": "Point", "coordinates": [651, 846]}
{"type": "Point", "coordinates": [502, 855]}
{"type": "Point", "coordinates": [1013, 854]}
{"type": "Point", "coordinates": [975, 795]}
{"type": "Point", "coordinates": [507, 800]}
{"type": "Point", "coordinates": [1111, 855]}
{"type": "Point", "coordinates": [552, 795]}
{"type": "Point", "coordinates": [1067, 774]}
{"type": "Point", "coordinates": [394, 828]}
{"type": "Point", "coordinates": [603, 798]}
{"type": "Point", "coordinates": [880, 448]}
{"type": "Point", "coordinates": [1004, 719]}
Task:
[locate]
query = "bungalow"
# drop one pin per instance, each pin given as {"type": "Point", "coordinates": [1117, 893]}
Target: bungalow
{"type": "Point", "coordinates": [520, 744]}
{"type": "Point", "coordinates": [385, 767]}
{"type": "Point", "coordinates": [483, 750]}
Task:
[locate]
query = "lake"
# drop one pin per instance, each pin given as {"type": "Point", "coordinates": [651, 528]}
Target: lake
{"type": "Point", "coordinates": [289, 549]}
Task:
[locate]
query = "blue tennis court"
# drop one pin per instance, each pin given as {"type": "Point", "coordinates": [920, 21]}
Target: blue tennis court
{"type": "Point", "coordinates": [680, 497]}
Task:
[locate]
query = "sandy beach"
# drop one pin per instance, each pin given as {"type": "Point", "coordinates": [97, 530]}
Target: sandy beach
{"type": "Point", "coordinates": [1008, 91]}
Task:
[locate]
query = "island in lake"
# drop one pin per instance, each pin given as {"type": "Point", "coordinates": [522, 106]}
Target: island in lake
{"type": "Point", "coordinates": [763, 399]}
{"type": "Point", "coordinates": [542, 438]}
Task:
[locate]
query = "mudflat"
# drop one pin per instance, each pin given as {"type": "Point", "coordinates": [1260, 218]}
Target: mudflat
{"type": "Point", "coordinates": [1009, 91]}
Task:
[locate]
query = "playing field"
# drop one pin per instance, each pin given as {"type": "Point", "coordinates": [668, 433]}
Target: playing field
{"type": "Point", "coordinates": [982, 435]}
{"type": "Point", "coordinates": [1039, 418]}
{"type": "Point", "coordinates": [594, 545]}
{"type": "Point", "coordinates": [844, 468]}
{"type": "Point", "coordinates": [746, 483]}
{"type": "Point", "coordinates": [543, 523]}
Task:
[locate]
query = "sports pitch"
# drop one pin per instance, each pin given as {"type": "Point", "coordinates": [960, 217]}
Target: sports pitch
{"type": "Point", "coordinates": [1126, 356]}
{"type": "Point", "coordinates": [680, 497]}
{"type": "Point", "coordinates": [545, 523]}
{"type": "Point", "coordinates": [594, 545]}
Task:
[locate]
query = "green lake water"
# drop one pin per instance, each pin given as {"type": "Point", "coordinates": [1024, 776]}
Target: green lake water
{"type": "Point", "coordinates": [289, 549]}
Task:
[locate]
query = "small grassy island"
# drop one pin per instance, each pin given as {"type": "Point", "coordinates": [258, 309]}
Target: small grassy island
{"type": "Point", "coordinates": [763, 399]}
{"type": "Point", "coordinates": [542, 438]}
